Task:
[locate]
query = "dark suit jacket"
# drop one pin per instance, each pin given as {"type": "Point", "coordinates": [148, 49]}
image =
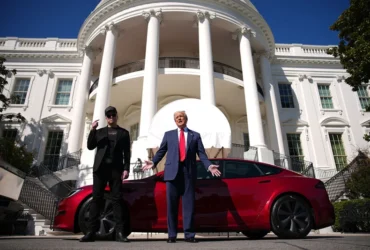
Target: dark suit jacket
{"type": "Point", "coordinates": [170, 144]}
{"type": "Point", "coordinates": [99, 139]}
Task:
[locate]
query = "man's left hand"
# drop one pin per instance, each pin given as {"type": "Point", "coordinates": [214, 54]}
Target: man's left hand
{"type": "Point", "coordinates": [214, 170]}
{"type": "Point", "coordinates": [125, 175]}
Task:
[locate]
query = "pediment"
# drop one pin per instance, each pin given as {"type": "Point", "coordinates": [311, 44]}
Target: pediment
{"type": "Point", "coordinates": [334, 122]}
{"type": "Point", "coordinates": [295, 122]}
{"type": "Point", "coordinates": [365, 123]}
{"type": "Point", "coordinates": [56, 119]}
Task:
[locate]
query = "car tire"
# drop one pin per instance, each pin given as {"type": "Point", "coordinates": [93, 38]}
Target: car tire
{"type": "Point", "coordinates": [291, 217]}
{"type": "Point", "coordinates": [255, 234]}
{"type": "Point", "coordinates": [107, 225]}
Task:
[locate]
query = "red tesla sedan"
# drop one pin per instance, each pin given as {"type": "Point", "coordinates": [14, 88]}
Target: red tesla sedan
{"type": "Point", "coordinates": [250, 197]}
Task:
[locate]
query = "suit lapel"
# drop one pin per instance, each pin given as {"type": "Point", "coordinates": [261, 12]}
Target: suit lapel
{"type": "Point", "coordinates": [118, 136]}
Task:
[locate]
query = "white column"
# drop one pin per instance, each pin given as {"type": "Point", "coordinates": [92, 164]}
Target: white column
{"type": "Point", "coordinates": [106, 73]}
{"type": "Point", "coordinates": [149, 96]}
{"type": "Point", "coordinates": [255, 127]}
{"type": "Point", "coordinates": [272, 112]}
{"type": "Point", "coordinates": [207, 89]}
{"type": "Point", "coordinates": [78, 122]}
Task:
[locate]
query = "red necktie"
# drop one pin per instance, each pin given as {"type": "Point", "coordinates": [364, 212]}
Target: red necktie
{"type": "Point", "coordinates": [182, 145]}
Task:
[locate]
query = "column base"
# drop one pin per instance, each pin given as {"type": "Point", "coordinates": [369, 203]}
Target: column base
{"type": "Point", "coordinates": [265, 155]}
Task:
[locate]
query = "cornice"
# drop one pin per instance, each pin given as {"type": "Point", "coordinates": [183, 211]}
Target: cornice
{"type": "Point", "coordinates": [37, 55]}
{"type": "Point", "coordinates": [300, 60]}
{"type": "Point", "coordinates": [111, 7]}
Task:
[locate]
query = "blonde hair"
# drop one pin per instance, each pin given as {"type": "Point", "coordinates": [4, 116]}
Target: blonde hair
{"type": "Point", "coordinates": [180, 112]}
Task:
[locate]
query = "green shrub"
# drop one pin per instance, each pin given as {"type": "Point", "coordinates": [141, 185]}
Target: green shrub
{"type": "Point", "coordinates": [352, 216]}
{"type": "Point", "coordinates": [16, 155]}
{"type": "Point", "coordinates": [358, 184]}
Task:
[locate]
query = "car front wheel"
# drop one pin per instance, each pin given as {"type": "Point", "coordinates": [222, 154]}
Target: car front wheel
{"type": "Point", "coordinates": [291, 217]}
{"type": "Point", "coordinates": [106, 221]}
{"type": "Point", "coordinates": [255, 235]}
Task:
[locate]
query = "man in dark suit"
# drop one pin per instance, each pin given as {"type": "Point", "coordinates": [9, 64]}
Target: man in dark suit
{"type": "Point", "coordinates": [112, 165]}
{"type": "Point", "coordinates": [180, 173]}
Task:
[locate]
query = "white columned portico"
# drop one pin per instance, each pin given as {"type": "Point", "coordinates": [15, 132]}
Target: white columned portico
{"type": "Point", "coordinates": [106, 74]}
{"type": "Point", "coordinates": [207, 89]}
{"type": "Point", "coordinates": [255, 126]}
{"type": "Point", "coordinates": [149, 95]}
{"type": "Point", "coordinates": [272, 113]}
{"type": "Point", "coordinates": [78, 124]}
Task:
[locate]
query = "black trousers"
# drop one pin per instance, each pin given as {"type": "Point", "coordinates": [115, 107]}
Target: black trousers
{"type": "Point", "coordinates": [108, 174]}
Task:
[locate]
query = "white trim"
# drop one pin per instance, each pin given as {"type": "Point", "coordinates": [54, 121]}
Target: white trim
{"type": "Point", "coordinates": [332, 83]}
{"type": "Point", "coordinates": [346, 137]}
{"type": "Point", "coordinates": [52, 97]}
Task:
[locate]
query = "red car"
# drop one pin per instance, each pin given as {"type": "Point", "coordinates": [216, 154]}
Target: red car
{"type": "Point", "coordinates": [250, 197]}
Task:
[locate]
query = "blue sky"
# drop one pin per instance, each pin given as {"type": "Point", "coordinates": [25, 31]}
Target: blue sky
{"type": "Point", "coordinates": [291, 21]}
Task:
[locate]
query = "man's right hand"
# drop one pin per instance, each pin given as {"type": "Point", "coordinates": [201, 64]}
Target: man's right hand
{"type": "Point", "coordinates": [95, 124]}
{"type": "Point", "coordinates": [148, 165]}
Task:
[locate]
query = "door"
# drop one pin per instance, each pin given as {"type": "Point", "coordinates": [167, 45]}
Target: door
{"type": "Point", "coordinates": [248, 190]}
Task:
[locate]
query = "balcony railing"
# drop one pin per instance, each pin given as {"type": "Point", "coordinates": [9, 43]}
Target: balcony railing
{"type": "Point", "coordinates": [294, 163]}
{"type": "Point", "coordinates": [176, 62]}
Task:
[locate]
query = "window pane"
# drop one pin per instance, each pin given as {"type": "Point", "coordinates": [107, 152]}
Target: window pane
{"type": "Point", "coordinates": [286, 95]}
{"type": "Point", "coordinates": [339, 154]}
{"type": "Point", "coordinates": [235, 169]}
{"type": "Point", "coordinates": [295, 152]}
{"type": "Point", "coordinates": [52, 150]}
{"type": "Point", "coordinates": [267, 170]}
{"type": "Point", "coordinates": [203, 174]}
{"type": "Point", "coordinates": [363, 96]}
{"type": "Point", "coordinates": [325, 96]}
{"type": "Point", "coordinates": [10, 134]}
{"type": "Point", "coordinates": [63, 92]}
{"type": "Point", "coordinates": [20, 90]}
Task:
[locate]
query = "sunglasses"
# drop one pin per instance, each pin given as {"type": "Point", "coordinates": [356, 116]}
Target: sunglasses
{"type": "Point", "coordinates": [111, 115]}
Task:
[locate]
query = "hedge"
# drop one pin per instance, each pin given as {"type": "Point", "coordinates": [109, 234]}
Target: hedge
{"type": "Point", "coordinates": [352, 216]}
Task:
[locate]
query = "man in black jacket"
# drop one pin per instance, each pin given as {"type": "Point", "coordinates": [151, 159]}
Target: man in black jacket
{"type": "Point", "coordinates": [112, 164]}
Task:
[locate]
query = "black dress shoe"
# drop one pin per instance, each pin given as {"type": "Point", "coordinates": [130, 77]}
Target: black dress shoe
{"type": "Point", "coordinates": [121, 238]}
{"type": "Point", "coordinates": [171, 240]}
{"type": "Point", "coordinates": [191, 240]}
{"type": "Point", "coordinates": [89, 237]}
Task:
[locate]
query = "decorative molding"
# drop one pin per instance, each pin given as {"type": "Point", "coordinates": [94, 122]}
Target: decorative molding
{"type": "Point", "coordinates": [300, 60]}
{"type": "Point", "coordinates": [365, 123]}
{"type": "Point", "coordinates": [295, 122]}
{"type": "Point", "coordinates": [306, 133]}
{"type": "Point", "coordinates": [244, 31]}
{"type": "Point", "coordinates": [201, 15]}
{"type": "Point", "coordinates": [153, 13]}
{"type": "Point", "coordinates": [55, 119]}
{"type": "Point", "coordinates": [341, 78]}
{"type": "Point", "coordinates": [301, 77]}
{"type": "Point", "coordinates": [269, 56]}
{"type": "Point", "coordinates": [348, 133]}
{"type": "Point", "coordinates": [37, 55]}
{"type": "Point", "coordinates": [48, 72]}
{"type": "Point", "coordinates": [334, 122]}
{"type": "Point", "coordinates": [110, 27]}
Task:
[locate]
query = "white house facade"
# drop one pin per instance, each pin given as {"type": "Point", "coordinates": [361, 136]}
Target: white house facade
{"type": "Point", "coordinates": [145, 55]}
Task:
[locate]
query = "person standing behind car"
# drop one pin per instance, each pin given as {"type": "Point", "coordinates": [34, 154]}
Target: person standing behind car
{"type": "Point", "coordinates": [112, 165]}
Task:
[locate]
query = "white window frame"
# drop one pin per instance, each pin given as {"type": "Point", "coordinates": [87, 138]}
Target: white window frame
{"type": "Point", "coordinates": [51, 126]}
{"type": "Point", "coordinates": [294, 94]}
{"type": "Point", "coordinates": [346, 138]}
{"type": "Point", "coordinates": [57, 78]}
{"type": "Point", "coordinates": [304, 138]}
{"type": "Point", "coordinates": [12, 83]}
{"type": "Point", "coordinates": [333, 92]}
{"type": "Point", "coordinates": [358, 98]}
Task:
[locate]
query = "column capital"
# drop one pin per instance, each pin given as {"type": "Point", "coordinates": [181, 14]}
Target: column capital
{"type": "Point", "coordinates": [89, 51]}
{"type": "Point", "coordinates": [110, 27]}
{"type": "Point", "coordinates": [201, 15]}
{"type": "Point", "coordinates": [48, 72]}
{"type": "Point", "coordinates": [153, 13]}
{"type": "Point", "coordinates": [244, 31]}
{"type": "Point", "coordinates": [341, 78]}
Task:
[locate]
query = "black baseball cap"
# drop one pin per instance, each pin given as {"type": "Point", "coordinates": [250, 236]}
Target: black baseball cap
{"type": "Point", "coordinates": [110, 109]}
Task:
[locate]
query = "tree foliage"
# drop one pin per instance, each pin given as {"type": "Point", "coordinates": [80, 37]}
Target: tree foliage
{"type": "Point", "coordinates": [4, 100]}
{"type": "Point", "coordinates": [353, 50]}
{"type": "Point", "coordinates": [16, 155]}
{"type": "Point", "coordinates": [358, 184]}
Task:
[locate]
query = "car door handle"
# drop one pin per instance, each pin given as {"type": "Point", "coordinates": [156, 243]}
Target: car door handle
{"type": "Point", "coordinates": [265, 181]}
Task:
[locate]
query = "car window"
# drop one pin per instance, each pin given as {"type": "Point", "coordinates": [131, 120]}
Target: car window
{"type": "Point", "coordinates": [203, 174]}
{"type": "Point", "coordinates": [268, 170]}
{"type": "Point", "coordinates": [235, 169]}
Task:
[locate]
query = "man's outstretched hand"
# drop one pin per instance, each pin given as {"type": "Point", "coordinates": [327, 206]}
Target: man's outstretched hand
{"type": "Point", "coordinates": [214, 170]}
{"type": "Point", "coordinates": [148, 165]}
